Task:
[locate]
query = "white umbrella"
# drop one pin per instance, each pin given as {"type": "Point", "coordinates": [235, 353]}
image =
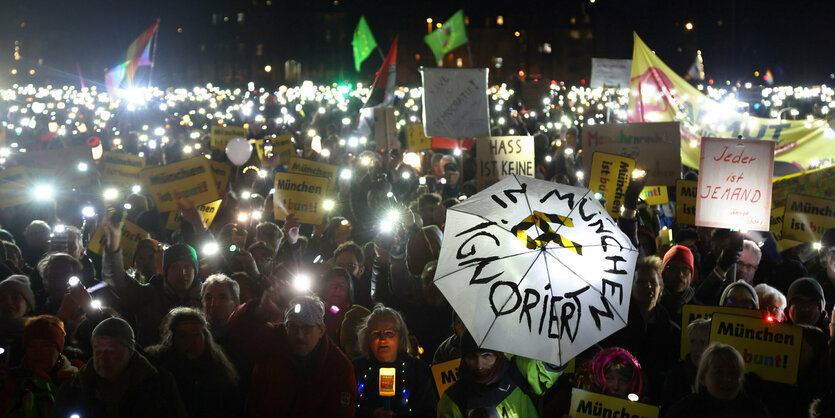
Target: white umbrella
{"type": "Point", "coordinates": [536, 269]}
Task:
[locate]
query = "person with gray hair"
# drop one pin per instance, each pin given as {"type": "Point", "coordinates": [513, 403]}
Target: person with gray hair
{"type": "Point", "coordinates": [299, 371]}
{"type": "Point", "coordinates": [772, 302]}
{"type": "Point", "coordinates": [748, 261]}
{"type": "Point", "coordinates": [384, 343]}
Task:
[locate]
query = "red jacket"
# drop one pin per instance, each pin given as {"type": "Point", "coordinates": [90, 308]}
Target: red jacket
{"type": "Point", "coordinates": [278, 389]}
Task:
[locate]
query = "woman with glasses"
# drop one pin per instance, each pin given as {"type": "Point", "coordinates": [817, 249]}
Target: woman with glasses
{"type": "Point", "coordinates": [384, 343]}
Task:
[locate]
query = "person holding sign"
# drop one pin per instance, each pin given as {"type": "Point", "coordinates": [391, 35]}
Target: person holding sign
{"type": "Point", "coordinates": [719, 382]}
{"type": "Point", "coordinates": [492, 384]}
{"type": "Point", "coordinates": [384, 342]}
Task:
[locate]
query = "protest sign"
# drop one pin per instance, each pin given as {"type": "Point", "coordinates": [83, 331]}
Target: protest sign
{"type": "Point", "coordinates": [207, 212]}
{"type": "Point", "coordinates": [221, 135]}
{"type": "Point", "coordinates": [654, 146]}
{"type": "Point", "coordinates": [769, 349]}
{"type": "Point", "coordinates": [819, 182]}
{"type": "Point", "coordinates": [301, 195]}
{"type": "Point", "coordinates": [500, 156]}
{"type": "Point", "coordinates": [776, 230]}
{"type": "Point", "coordinates": [258, 144]}
{"type": "Point", "coordinates": [313, 168]}
{"type": "Point", "coordinates": [585, 404]}
{"type": "Point", "coordinates": [609, 176]}
{"type": "Point", "coordinates": [735, 184]}
{"type": "Point", "coordinates": [16, 187]}
{"type": "Point", "coordinates": [655, 195]}
{"type": "Point", "coordinates": [385, 128]}
{"type": "Point", "coordinates": [445, 375]}
{"type": "Point", "coordinates": [806, 218]}
{"type": "Point", "coordinates": [416, 139]}
{"type": "Point", "coordinates": [64, 165]}
{"type": "Point", "coordinates": [131, 235]}
{"type": "Point", "coordinates": [455, 102]}
{"type": "Point", "coordinates": [221, 172]}
{"type": "Point", "coordinates": [686, 191]}
{"type": "Point", "coordinates": [610, 72]}
{"type": "Point", "coordinates": [690, 313]}
{"type": "Point", "coordinates": [189, 182]}
{"type": "Point", "coordinates": [120, 168]}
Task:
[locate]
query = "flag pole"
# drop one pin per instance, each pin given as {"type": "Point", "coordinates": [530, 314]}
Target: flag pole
{"type": "Point", "coordinates": [153, 54]}
{"type": "Point", "coordinates": [381, 53]}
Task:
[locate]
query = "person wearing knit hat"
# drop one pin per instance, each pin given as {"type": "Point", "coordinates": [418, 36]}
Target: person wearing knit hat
{"type": "Point", "coordinates": [806, 302]}
{"type": "Point", "coordinates": [177, 262]}
{"type": "Point", "coordinates": [117, 329]}
{"type": "Point", "coordinates": [16, 297]}
{"type": "Point", "coordinates": [740, 294]}
{"type": "Point", "coordinates": [677, 273]}
{"type": "Point", "coordinates": [491, 383]}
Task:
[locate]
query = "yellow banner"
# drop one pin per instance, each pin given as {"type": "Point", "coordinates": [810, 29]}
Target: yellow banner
{"type": "Point", "coordinates": [769, 349]}
{"type": "Point", "coordinates": [207, 212]}
{"type": "Point", "coordinates": [658, 94]}
{"type": "Point", "coordinates": [585, 404]}
{"type": "Point", "coordinates": [807, 218]}
{"type": "Point", "coordinates": [300, 195]}
{"type": "Point", "coordinates": [283, 146]}
{"type": "Point", "coordinates": [416, 138]}
{"type": "Point", "coordinates": [690, 313]}
{"type": "Point", "coordinates": [221, 135]}
{"type": "Point", "coordinates": [120, 168]}
{"type": "Point", "coordinates": [186, 182]}
{"type": "Point", "coordinates": [16, 187]}
{"type": "Point", "coordinates": [610, 175]}
{"type": "Point", "coordinates": [819, 182]}
{"type": "Point", "coordinates": [655, 195]}
{"type": "Point", "coordinates": [776, 230]}
{"type": "Point", "coordinates": [445, 374]}
{"type": "Point", "coordinates": [686, 191]}
{"type": "Point", "coordinates": [131, 235]}
{"type": "Point", "coordinates": [221, 172]}
{"type": "Point", "coordinates": [313, 168]}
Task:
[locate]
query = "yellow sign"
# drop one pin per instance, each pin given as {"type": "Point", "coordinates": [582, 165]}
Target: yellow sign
{"type": "Point", "coordinates": [121, 168]}
{"type": "Point", "coordinates": [221, 135]}
{"type": "Point", "coordinates": [655, 195]}
{"type": "Point", "coordinates": [610, 175]}
{"type": "Point", "coordinates": [807, 218]}
{"type": "Point", "coordinates": [690, 313]}
{"type": "Point", "coordinates": [417, 140]}
{"type": "Point", "coordinates": [445, 374]}
{"type": "Point", "coordinates": [15, 187]}
{"type": "Point", "coordinates": [658, 94]}
{"type": "Point", "coordinates": [585, 404]}
{"type": "Point", "coordinates": [300, 195]}
{"type": "Point", "coordinates": [207, 212]}
{"type": "Point", "coordinates": [221, 172]}
{"type": "Point", "coordinates": [776, 230]}
{"type": "Point", "coordinates": [313, 168]}
{"type": "Point", "coordinates": [769, 349]}
{"type": "Point", "coordinates": [820, 183]}
{"type": "Point", "coordinates": [285, 152]}
{"type": "Point", "coordinates": [131, 235]}
{"type": "Point", "coordinates": [686, 201]}
{"type": "Point", "coordinates": [259, 147]}
{"type": "Point", "coordinates": [185, 182]}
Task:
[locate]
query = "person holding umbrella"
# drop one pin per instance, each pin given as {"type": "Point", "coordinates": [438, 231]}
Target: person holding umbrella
{"type": "Point", "coordinates": [492, 384]}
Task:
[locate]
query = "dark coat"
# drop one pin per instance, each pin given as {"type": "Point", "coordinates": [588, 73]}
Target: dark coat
{"type": "Point", "coordinates": [703, 405]}
{"type": "Point", "coordinates": [414, 391]}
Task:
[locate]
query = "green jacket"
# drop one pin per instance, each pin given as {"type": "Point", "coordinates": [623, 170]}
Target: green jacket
{"type": "Point", "coordinates": [514, 392]}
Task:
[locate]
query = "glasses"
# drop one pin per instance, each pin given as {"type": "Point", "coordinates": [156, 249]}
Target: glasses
{"type": "Point", "coordinates": [773, 310]}
{"type": "Point", "coordinates": [740, 264]}
{"type": "Point", "coordinates": [383, 335]}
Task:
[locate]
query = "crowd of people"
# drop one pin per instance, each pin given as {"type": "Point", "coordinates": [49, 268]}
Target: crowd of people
{"type": "Point", "coordinates": [255, 316]}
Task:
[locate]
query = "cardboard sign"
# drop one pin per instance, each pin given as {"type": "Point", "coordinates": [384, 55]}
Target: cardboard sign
{"type": "Point", "coordinates": [445, 375]}
{"type": "Point", "coordinates": [185, 182]}
{"type": "Point", "coordinates": [656, 147]}
{"type": "Point", "coordinates": [15, 187]}
{"type": "Point", "coordinates": [455, 102]}
{"type": "Point", "coordinates": [501, 156]}
{"type": "Point", "coordinates": [819, 182]}
{"type": "Point", "coordinates": [221, 135]}
{"type": "Point", "coordinates": [258, 144]}
{"type": "Point", "coordinates": [609, 176]}
{"type": "Point", "coordinates": [610, 72]}
{"type": "Point", "coordinates": [120, 168]}
{"type": "Point", "coordinates": [777, 230]}
{"type": "Point", "coordinates": [416, 139]}
{"type": "Point", "coordinates": [771, 350]}
{"type": "Point", "coordinates": [655, 195]}
{"type": "Point", "coordinates": [585, 404]}
{"type": "Point", "coordinates": [385, 128]}
{"type": "Point", "coordinates": [221, 172]}
{"type": "Point", "coordinates": [300, 195]}
{"type": "Point", "coordinates": [807, 217]}
{"type": "Point", "coordinates": [735, 184]}
{"type": "Point", "coordinates": [313, 168]}
{"type": "Point", "coordinates": [690, 313]}
{"type": "Point", "coordinates": [686, 191]}
{"type": "Point", "coordinates": [207, 212]}
{"type": "Point", "coordinates": [131, 235]}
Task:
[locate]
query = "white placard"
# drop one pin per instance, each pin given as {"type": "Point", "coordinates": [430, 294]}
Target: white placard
{"type": "Point", "coordinates": [735, 184]}
{"type": "Point", "coordinates": [607, 72]}
{"type": "Point", "coordinates": [502, 156]}
{"type": "Point", "coordinates": [455, 102]}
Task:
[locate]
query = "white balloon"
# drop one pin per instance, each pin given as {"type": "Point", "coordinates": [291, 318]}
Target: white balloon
{"type": "Point", "coordinates": [238, 150]}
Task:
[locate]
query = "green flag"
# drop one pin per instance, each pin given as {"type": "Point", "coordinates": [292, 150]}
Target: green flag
{"type": "Point", "coordinates": [363, 42]}
{"type": "Point", "coordinates": [449, 36]}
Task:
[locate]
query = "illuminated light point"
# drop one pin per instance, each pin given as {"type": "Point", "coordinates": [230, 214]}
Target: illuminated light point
{"type": "Point", "coordinates": [517, 34]}
{"type": "Point", "coordinates": [817, 246]}
{"type": "Point", "coordinates": [632, 397]}
{"type": "Point", "coordinates": [548, 158]}
{"type": "Point", "coordinates": [769, 318]}
{"type": "Point", "coordinates": [268, 68]}
{"type": "Point", "coordinates": [210, 248]}
{"type": "Point", "coordinates": [580, 175]}
{"type": "Point", "coordinates": [457, 152]}
{"type": "Point", "coordinates": [136, 188]}
{"type": "Point", "coordinates": [111, 194]}
{"type": "Point", "coordinates": [243, 217]}
{"type": "Point", "coordinates": [88, 212]}
{"type": "Point", "coordinates": [334, 309]}
{"type": "Point", "coordinates": [246, 194]}
{"type": "Point", "coordinates": [128, 206]}
{"type": "Point", "coordinates": [328, 204]}
{"type": "Point", "coordinates": [44, 192]}
{"type": "Point", "coordinates": [262, 173]}
{"type": "Point", "coordinates": [302, 284]}
{"type": "Point", "coordinates": [82, 166]}
{"type": "Point", "coordinates": [345, 174]}
{"type": "Point", "coordinates": [688, 26]}
{"type": "Point", "coordinates": [73, 281]}
{"type": "Point", "coordinates": [95, 304]}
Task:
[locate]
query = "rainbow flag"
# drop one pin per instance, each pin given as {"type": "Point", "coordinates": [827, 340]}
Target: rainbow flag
{"type": "Point", "coordinates": [139, 52]}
